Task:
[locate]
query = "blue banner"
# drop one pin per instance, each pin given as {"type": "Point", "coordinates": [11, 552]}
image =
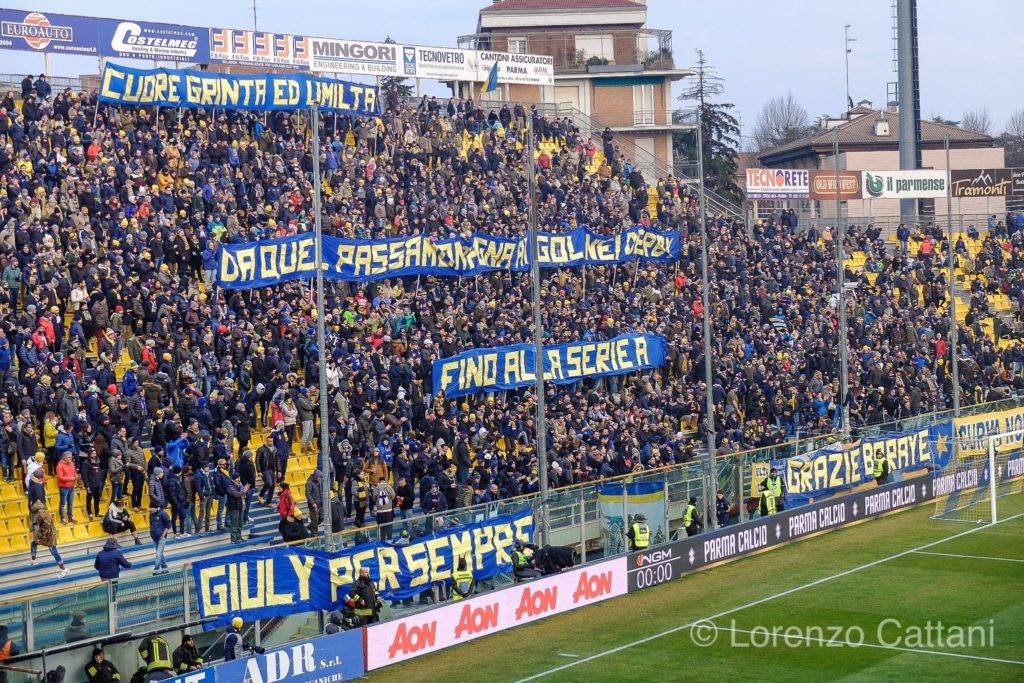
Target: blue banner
{"type": "Point", "coordinates": [509, 367]}
{"type": "Point", "coordinates": [270, 262]}
{"type": "Point", "coordinates": [149, 40]}
{"type": "Point", "coordinates": [49, 32]}
{"type": "Point", "coordinates": [337, 657]}
{"type": "Point", "coordinates": [256, 92]}
{"type": "Point", "coordinates": [287, 580]}
{"type": "Point", "coordinates": [838, 467]}
{"type": "Point", "coordinates": [72, 34]}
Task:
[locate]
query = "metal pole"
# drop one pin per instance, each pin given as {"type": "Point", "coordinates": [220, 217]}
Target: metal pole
{"type": "Point", "coordinates": [909, 97]}
{"type": "Point", "coordinates": [954, 332]}
{"type": "Point", "coordinates": [846, 60]}
{"type": "Point", "coordinates": [321, 342]}
{"type": "Point", "coordinates": [844, 389]}
{"type": "Point", "coordinates": [708, 372]}
{"type": "Point", "coordinates": [538, 337]}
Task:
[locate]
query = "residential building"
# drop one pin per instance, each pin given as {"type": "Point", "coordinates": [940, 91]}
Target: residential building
{"type": "Point", "coordinates": [869, 141]}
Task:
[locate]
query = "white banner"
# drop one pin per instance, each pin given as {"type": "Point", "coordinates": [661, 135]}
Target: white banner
{"type": "Point", "coordinates": [257, 47]}
{"type": "Point", "coordinates": [777, 183]}
{"type": "Point", "coordinates": [354, 57]}
{"type": "Point", "coordinates": [459, 622]}
{"type": "Point", "coordinates": [440, 63]}
{"type": "Point", "coordinates": [928, 184]}
{"type": "Point", "coordinates": [518, 68]}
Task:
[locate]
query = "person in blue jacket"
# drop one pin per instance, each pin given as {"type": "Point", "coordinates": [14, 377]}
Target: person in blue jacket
{"type": "Point", "coordinates": [110, 560]}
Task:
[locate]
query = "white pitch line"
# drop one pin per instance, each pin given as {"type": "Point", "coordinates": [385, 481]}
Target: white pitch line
{"type": "Point", "coordinates": [972, 557]}
{"type": "Point", "coordinates": [878, 646]}
{"type": "Point", "coordinates": [566, 654]}
{"type": "Point", "coordinates": [759, 601]}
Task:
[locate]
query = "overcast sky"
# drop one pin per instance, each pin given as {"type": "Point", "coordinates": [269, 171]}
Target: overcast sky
{"type": "Point", "coordinates": [970, 51]}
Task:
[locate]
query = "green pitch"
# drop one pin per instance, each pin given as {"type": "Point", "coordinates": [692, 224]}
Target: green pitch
{"type": "Point", "coordinates": [859, 604]}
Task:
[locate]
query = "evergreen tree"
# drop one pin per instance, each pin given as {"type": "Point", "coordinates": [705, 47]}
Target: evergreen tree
{"type": "Point", "coordinates": [389, 82]}
{"type": "Point", "coordinates": [720, 128]}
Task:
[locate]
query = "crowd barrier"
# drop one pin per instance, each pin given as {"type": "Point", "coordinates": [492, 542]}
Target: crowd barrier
{"type": "Point", "coordinates": [574, 518]}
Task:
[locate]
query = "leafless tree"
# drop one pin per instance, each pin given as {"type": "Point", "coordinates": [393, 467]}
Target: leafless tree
{"type": "Point", "coordinates": [1012, 139]}
{"type": "Point", "coordinates": [977, 121]}
{"type": "Point", "coordinates": [782, 120]}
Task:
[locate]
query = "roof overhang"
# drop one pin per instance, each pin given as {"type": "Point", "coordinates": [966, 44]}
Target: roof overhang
{"type": "Point", "coordinates": [673, 74]}
{"type": "Point", "coordinates": [545, 18]}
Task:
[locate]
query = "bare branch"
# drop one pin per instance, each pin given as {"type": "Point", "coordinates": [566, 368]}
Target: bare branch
{"type": "Point", "coordinates": [977, 121]}
{"type": "Point", "coordinates": [782, 120]}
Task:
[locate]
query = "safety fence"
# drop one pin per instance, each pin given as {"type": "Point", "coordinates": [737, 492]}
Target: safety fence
{"type": "Point", "coordinates": [574, 517]}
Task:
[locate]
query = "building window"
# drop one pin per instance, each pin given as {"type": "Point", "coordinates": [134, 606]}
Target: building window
{"type": "Point", "coordinates": [596, 46]}
{"type": "Point", "coordinates": [517, 46]}
{"type": "Point", "coordinates": [643, 105]}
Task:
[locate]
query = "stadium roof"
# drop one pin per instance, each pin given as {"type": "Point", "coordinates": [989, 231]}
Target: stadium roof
{"type": "Point", "coordinates": [860, 132]}
{"type": "Point", "coordinates": [528, 5]}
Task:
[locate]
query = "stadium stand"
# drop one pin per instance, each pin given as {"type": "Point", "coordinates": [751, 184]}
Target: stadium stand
{"type": "Point", "coordinates": [114, 330]}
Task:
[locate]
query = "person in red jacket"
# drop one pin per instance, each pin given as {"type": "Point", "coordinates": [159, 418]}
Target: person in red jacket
{"type": "Point", "coordinates": [285, 502]}
{"type": "Point", "coordinates": [67, 477]}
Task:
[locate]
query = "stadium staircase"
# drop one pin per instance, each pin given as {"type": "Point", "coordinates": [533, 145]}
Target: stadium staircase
{"type": "Point", "coordinates": [651, 167]}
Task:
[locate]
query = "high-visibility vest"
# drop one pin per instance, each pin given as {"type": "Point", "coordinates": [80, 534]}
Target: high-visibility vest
{"type": "Point", "coordinates": [775, 484]}
{"type": "Point", "coordinates": [5, 651]}
{"type": "Point", "coordinates": [879, 466]}
{"type": "Point", "coordinates": [462, 582]}
{"type": "Point", "coordinates": [691, 510]}
{"type": "Point", "coordinates": [768, 498]}
{"type": "Point", "coordinates": [156, 653]}
{"type": "Point", "coordinates": [641, 535]}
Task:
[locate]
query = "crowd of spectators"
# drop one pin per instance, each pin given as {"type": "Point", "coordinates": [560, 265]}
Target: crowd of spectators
{"type": "Point", "coordinates": [110, 225]}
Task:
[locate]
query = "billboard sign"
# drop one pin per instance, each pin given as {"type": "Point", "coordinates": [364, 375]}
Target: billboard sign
{"type": "Point", "coordinates": [355, 57]}
{"type": "Point", "coordinates": [1017, 181]}
{"type": "Point", "coordinates": [337, 657]}
{"type": "Point", "coordinates": [48, 32]}
{"type": "Point", "coordinates": [259, 48]}
{"type": "Point", "coordinates": [777, 183]}
{"type": "Point", "coordinates": [441, 63]}
{"type": "Point", "coordinates": [823, 185]}
{"type": "Point", "coordinates": [924, 184]}
{"type": "Point", "coordinates": [981, 182]}
{"type": "Point", "coordinates": [660, 564]}
{"type": "Point", "coordinates": [459, 622]}
{"type": "Point", "coordinates": [146, 40]}
{"type": "Point", "coordinates": [517, 68]}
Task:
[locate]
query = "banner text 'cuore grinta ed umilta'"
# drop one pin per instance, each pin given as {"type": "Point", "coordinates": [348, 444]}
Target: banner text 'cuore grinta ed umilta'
{"type": "Point", "coordinates": [253, 92]}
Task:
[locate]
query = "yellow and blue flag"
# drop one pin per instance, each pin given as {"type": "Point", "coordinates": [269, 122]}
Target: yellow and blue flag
{"type": "Point", "coordinates": [492, 80]}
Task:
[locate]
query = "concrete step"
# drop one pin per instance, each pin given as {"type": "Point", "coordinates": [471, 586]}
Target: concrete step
{"type": "Point", "coordinates": [18, 578]}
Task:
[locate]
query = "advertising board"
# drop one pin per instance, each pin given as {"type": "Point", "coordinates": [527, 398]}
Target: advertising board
{"type": "Point", "coordinates": [459, 622]}
{"type": "Point", "coordinates": [658, 565]}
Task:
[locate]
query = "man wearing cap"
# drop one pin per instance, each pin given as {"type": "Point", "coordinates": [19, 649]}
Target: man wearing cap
{"type": "Point", "coordinates": [186, 656]}
{"type": "Point", "coordinates": [639, 533]}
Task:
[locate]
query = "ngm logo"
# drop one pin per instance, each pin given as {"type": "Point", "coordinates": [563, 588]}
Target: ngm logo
{"type": "Point", "coordinates": [37, 31]}
{"type": "Point", "coordinates": [655, 557]}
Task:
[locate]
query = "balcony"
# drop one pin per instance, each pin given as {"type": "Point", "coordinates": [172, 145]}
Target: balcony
{"type": "Point", "coordinates": [584, 51]}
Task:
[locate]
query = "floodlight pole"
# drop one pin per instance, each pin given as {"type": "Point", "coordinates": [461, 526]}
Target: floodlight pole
{"type": "Point", "coordinates": [709, 486]}
{"type": "Point", "coordinates": [954, 332]}
{"type": "Point", "coordinates": [840, 236]}
{"type": "Point", "coordinates": [321, 342]}
{"type": "Point", "coordinates": [538, 338]}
